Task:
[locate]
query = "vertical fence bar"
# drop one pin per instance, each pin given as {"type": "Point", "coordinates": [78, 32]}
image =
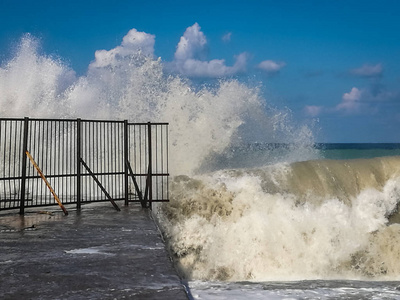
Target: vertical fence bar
{"type": "Point", "coordinates": [150, 187]}
{"type": "Point", "coordinates": [23, 170]}
{"type": "Point", "coordinates": [78, 164]}
{"type": "Point", "coordinates": [167, 157]}
{"type": "Point", "coordinates": [3, 168]}
{"type": "Point", "coordinates": [32, 147]}
{"type": "Point", "coordinates": [126, 158]}
{"type": "Point", "coordinates": [15, 150]}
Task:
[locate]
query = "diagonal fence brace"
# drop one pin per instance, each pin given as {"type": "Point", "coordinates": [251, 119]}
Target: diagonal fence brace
{"type": "Point", "coordinates": [100, 185]}
{"type": "Point", "coordinates": [47, 183]}
{"type": "Point", "coordinates": [139, 193]}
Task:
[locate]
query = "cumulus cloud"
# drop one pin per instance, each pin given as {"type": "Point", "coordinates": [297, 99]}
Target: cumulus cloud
{"type": "Point", "coordinates": [192, 44]}
{"type": "Point", "coordinates": [367, 100]}
{"type": "Point", "coordinates": [353, 95]}
{"type": "Point", "coordinates": [212, 68]}
{"type": "Point", "coordinates": [189, 58]}
{"type": "Point", "coordinates": [190, 54]}
{"type": "Point", "coordinates": [350, 101]}
{"type": "Point", "coordinates": [132, 43]}
{"type": "Point", "coordinates": [227, 37]}
{"type": "Point", "coordinates": [368, 70]}
{"type": "Point", "coordinates": [271, 66]}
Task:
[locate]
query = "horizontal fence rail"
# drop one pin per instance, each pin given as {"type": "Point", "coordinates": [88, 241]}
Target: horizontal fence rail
{"type": "Point", "coordinates": [82, 161]}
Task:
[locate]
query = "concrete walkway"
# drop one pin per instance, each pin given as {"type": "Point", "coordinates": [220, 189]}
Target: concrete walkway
{"type": "Point", "coordinates": [97, 253]}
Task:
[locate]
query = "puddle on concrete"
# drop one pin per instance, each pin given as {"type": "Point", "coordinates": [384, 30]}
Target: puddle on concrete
{"type": "Point", "coordinates": [92, 250]}
{"type": "Point", "coordinates": [30, 221]}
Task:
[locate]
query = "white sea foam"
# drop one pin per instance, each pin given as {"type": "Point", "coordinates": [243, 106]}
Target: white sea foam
{"type": "Point", "coordinates": [287, 222]}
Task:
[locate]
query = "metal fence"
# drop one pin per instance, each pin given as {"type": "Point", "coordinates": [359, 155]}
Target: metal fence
{"type": "Point", "coordinates": [81, 161]}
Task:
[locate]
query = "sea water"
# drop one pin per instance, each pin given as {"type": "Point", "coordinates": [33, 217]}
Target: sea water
{"type": "Point", "coordinates": [257, 209]}
{"type": "Point", "coordinates": [314, 289]}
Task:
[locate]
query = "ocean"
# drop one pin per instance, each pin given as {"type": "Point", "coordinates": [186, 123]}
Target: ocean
{"type": "Point", "coordinates": [258, 209]}
{"type": "Point", "coordinates": [312, 289]}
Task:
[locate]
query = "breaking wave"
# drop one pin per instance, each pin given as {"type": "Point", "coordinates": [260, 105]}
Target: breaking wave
{"type": "Point", "coordinates": [317, 219]}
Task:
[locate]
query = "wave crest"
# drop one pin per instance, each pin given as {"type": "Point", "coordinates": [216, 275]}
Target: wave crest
{"type": "Point", "coordinates": [276, 223]}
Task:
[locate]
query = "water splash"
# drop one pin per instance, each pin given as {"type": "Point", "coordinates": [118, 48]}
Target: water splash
{"type": "Point", "coordinates": [287, 222]}
{"type": "Point", "coordinates": [32, 84]}
{"type": "Point", "coordinates": [128, 82]}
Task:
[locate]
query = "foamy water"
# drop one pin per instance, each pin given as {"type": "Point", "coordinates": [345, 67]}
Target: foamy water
{"type": "Point", "coordinates": [306, 220]}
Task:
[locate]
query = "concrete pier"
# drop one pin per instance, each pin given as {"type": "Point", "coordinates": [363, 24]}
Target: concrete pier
{"type": "Point", "coordinates": [97, 253]}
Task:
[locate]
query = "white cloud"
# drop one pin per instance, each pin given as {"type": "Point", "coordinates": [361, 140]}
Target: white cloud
{"type": "Point", "coordinates": [313, 110]}
{"type": "Point", "coordinates": [368, 100]}
{"type": "Point", "coordinates": [136, 40]}
{"type": "Point", "coordinates": [368, 70]}
{"type": "Point", "coordinates": [350, 101]}
{"type": "Point", "coordinates": [271, 66]}
{"type": "Point", "coordinates": [191, 52]}
{"type": "Point", "coordinates": [212, 68]}
{"type": "Point", "coordinates": [192, 44]}
{"type": "Point", "coordinates": [354, 95]}
{"type": "Point", "coordinates": [132, 43]}
{"type": "Point", "coordinates": [189, 58]}
{"type": "Point", "coordinates": [227, 37]}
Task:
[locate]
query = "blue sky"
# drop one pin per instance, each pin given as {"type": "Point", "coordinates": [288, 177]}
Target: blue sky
{"type": "Point", "coordinates": [334, 61]}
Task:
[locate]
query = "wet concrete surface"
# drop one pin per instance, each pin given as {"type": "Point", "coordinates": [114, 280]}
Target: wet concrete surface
{"type": "Point", "coordinates": [97, 253]}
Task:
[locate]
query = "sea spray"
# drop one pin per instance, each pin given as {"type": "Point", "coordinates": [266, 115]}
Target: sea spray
{"type": "Point", "coordinates": [32, 84]}
{"type": "Point", "coordinates": [129, 83]}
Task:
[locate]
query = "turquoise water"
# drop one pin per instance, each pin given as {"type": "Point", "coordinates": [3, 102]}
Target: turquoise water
{"type": "Point", "coordinates": [261, 154]}
{"type": "Point", "coordinates": [354, 151]}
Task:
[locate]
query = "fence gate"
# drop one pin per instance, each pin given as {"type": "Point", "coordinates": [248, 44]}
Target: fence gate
{"type": "Point", "coordinates": [80, 161]}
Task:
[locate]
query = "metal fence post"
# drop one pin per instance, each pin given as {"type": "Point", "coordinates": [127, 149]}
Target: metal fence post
{"type": "Point", "coordinates": [150, 195]}
{"type": "Point", "coordinates": [23, 167]}
{"type": "Point", "coordinates": [126, 159]}
{"type": "Point", "coordinates": [78, 163]}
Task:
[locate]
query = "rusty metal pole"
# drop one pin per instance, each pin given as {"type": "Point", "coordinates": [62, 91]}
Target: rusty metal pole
{"type": "Point", "coordinates": [46, 182]}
